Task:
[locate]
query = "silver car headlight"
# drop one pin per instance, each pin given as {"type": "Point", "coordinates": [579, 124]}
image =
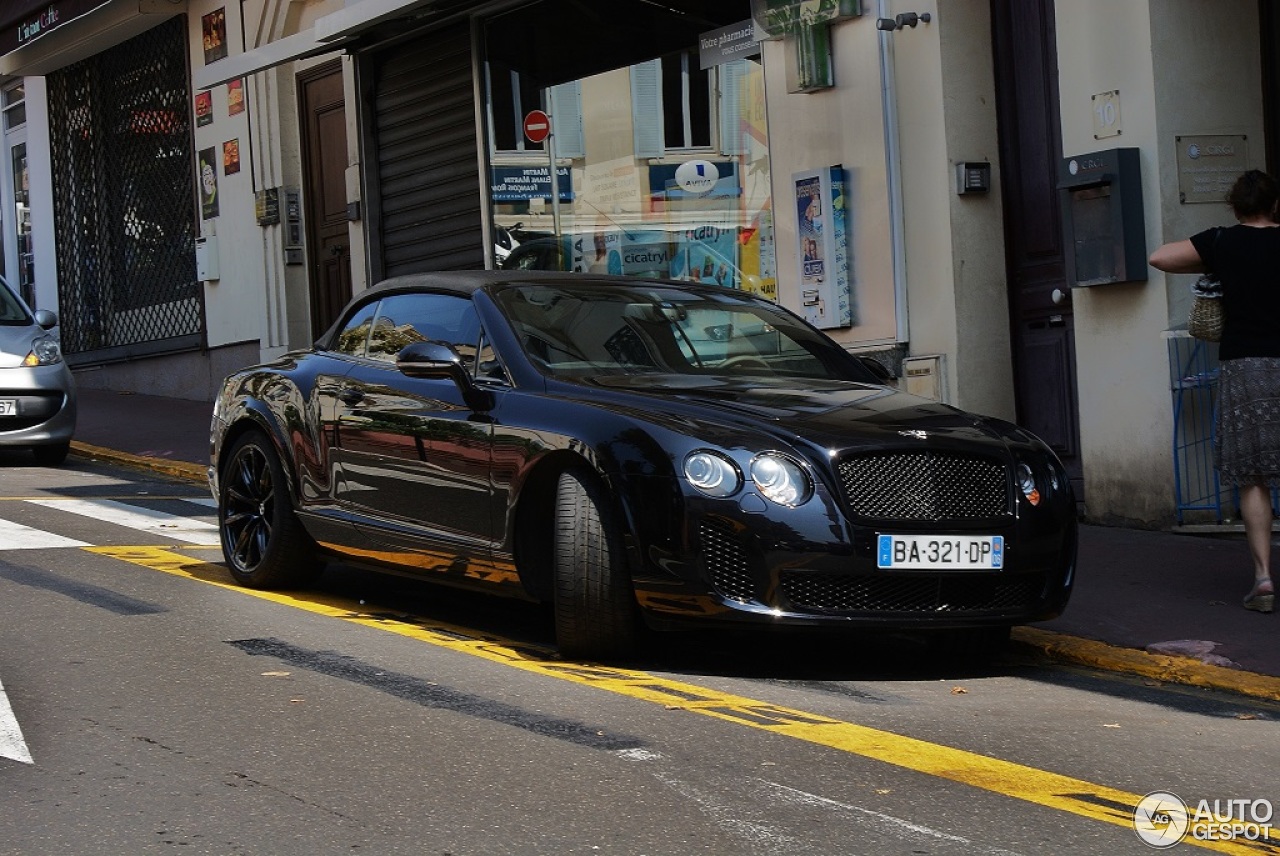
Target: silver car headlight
{"type": "Point", "coordinates": [44, 352]}
{"type": "Point", "coordinates": [781, 480]}
{"type": "Point", "coordinates": [712, 473]}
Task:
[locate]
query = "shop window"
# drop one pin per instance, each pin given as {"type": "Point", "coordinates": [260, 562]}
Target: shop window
{"type": "Point", "coordinates": [662, 166]}
{"type": "Point", "coordinates": [512, 95]}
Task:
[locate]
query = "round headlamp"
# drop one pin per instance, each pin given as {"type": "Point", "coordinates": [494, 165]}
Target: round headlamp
{"type": "Point", "coordinates": [712, 473]}
{"type": "Point", "coordinates": [781, 480]}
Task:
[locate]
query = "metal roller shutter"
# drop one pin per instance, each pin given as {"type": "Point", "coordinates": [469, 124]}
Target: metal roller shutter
{"type": "Point", "coordinates": [427, 191]}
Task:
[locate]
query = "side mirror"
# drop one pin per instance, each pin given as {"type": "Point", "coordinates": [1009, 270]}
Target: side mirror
{"type": "Point", "coordinates": [436, 360]}
{"type": "Point", "coordinates": [46, 319]}
{"type": "Point", "coordinates": [878, 370]}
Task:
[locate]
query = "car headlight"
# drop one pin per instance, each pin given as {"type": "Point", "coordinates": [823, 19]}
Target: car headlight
{"type": "Point", "coordinates": [781, 480]}
{"type": "Point", "coordinates": [44, 352]}
{"type": "Point", "coordinates": [711, 473]}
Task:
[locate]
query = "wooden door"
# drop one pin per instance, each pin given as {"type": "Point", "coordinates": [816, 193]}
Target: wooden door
{"type": "Point", "coordinates": [324, 151]}
{"type": "Point", "coordinates": [1043, 327]}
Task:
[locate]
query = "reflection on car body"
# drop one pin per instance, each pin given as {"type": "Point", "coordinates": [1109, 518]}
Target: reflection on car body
{"type": "Point", "coordinates": [634, 452]}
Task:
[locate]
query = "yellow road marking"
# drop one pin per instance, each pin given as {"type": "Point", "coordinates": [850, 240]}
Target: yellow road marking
{"type": "Point", "coordinates": [1065, 793]}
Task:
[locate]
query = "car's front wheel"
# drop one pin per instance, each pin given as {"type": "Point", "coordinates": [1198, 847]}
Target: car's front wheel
{"type": "Point", "coordinates": [595, 607]}
{"type": "Point", "coordinates": [262, 539]}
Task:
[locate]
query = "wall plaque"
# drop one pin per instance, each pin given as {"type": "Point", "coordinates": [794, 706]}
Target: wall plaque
{"type": "Point", "coordinates": [1208, 164]}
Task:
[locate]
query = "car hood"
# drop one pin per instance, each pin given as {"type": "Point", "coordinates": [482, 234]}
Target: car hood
{"type": "Point", "coordinates": [828, 413]}
{"type": "Point", "coordinates": [15, 343]}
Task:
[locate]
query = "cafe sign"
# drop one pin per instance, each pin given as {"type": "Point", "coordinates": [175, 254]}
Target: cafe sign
{"type": "Point", "coordinates": [23, 23]}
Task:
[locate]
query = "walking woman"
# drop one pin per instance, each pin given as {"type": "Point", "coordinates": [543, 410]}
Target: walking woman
{"type": "Point", "coordinates": [1246, 258]}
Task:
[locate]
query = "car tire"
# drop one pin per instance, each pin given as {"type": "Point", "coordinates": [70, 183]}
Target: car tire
{"type": "Point", "coordinates": [262, 539]}
{"type": "Point", "coordinates": [52, 455]}
{"type": "Point", "coordinates": [595, 607]}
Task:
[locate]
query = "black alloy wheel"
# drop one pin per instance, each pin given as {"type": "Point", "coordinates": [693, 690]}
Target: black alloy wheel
{"type": "Point", "coordinates": [262, 540]}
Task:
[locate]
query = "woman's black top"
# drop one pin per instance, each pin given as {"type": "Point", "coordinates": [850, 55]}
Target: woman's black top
{"type": "Point", "coordinates": [1247, 261]}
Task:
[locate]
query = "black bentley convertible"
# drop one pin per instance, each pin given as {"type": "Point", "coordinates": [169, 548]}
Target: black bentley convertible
{"type": "Point", "coordinates": [633, 451]}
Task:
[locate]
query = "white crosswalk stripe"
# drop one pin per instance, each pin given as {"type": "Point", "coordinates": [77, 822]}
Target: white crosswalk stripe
{"type": "Point", "coordinates": [187, 529]}
{"type": "Point", "coordinates": [15, 536]}
{"type": "Point", "coordinates": [11, 743]}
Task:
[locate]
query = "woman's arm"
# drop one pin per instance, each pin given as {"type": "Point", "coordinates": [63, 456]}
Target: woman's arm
{"type": "Point", "coordinates": [1177, 257]}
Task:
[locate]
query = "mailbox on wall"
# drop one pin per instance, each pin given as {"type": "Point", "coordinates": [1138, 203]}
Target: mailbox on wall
{"type": "Point", "coordinates": [1104, 233]}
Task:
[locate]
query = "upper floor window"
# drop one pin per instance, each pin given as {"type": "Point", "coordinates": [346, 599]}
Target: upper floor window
{"type": "Point", "coordinates": [686, 102]}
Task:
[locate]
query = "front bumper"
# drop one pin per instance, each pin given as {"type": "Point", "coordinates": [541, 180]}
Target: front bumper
{"type": "Point", "coordinates": [46, 405]}
{"type": "Point", "coordinates": [777, 568]}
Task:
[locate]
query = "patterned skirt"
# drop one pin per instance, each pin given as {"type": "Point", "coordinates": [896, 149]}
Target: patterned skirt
{"type": "Point", "coordinates": [1246, 447]}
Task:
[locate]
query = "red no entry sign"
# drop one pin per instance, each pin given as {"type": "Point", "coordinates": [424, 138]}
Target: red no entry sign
{"type": "Point", "coordinates": [537, 126]}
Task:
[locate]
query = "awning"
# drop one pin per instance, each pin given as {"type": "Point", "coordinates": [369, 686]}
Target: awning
{"type": "Point", "coordinates": [298, 46]}
{"type": "Point", "coordinates": [363, 15]}
{"type": "Point", "coordinates": [331, 32]}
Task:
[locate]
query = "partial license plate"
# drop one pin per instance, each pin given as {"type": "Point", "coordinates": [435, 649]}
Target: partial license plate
{"type": "Point", "coordinates": [8, 407]}
{"type": "Point", "coordinates": [960, 552]}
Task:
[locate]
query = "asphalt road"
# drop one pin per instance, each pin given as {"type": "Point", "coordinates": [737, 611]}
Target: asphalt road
{"type": "Point", "coordinates": [163, 709]}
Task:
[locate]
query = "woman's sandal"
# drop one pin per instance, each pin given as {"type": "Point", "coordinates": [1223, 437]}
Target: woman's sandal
{"type": "Point", "coordinates": [1260, 601]}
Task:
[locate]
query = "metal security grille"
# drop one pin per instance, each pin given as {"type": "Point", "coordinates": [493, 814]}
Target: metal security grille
{"type": "Point", "coordinates": [120, 140]}
{"type": "Point", "coordinates": [925, 486]}
{"type": "Point", "coordinates": [425, 169]}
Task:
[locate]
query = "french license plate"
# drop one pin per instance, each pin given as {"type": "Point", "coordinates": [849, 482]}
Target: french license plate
{"type": "Point", "coordinates": [8, 407]}
{"type": "Point", "coordinates": [960, 552]}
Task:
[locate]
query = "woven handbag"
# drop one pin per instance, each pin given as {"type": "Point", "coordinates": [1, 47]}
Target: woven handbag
{"type": "Point", "coordinates": [1205, 320]}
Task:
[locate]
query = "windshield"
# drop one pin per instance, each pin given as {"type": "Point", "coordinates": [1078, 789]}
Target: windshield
{"type": "Point", "coordinates": [11, 309]}
{"type": "Point", "coordinates": [585, 330]}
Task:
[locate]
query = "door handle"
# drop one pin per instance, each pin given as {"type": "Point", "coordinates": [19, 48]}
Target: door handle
{"type": "Point", "coordinates": [350, 396]}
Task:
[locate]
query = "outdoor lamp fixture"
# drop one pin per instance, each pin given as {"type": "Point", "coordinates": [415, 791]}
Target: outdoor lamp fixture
{"type": "Point", "coordinates": [906, 19]}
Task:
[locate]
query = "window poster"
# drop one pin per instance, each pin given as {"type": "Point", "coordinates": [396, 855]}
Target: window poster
{"type": "Point", "coordinates": [208, 164]}
{"type": "Point", "coordinates": [204, 108]}
{"type": "Point", "coordinates": [235, 96]}
{"type": "Point", "coordinates": [231, 157]}
{"type": "Point", "coordinates": [214, 27]}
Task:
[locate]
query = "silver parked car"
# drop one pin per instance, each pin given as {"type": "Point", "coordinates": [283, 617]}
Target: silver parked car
{"type": "Point", "coordinates": [37, 391]}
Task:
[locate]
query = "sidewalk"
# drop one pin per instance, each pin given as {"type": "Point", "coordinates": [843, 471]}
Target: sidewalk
{"type": "Point", "coordinates": [1158, 604]}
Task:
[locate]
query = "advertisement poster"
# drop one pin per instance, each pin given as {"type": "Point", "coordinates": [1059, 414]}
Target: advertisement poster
{"type": "Point", "coordinates": [208, 164]}
{"type": "Point", "coordinates": [822, 247]}
{"type": "Point", "coordinates": [707, 254]}
{"type": "Point", "coordinates": [809, 207]}
{"type": "Point", "coordinates": [235, 96]}
{"type": "Point", "coordinates": [204, 108]}
{"type": "Point", "coordinates": [231, 157]}
{"type": "Point", "coordinates": [214, 27]}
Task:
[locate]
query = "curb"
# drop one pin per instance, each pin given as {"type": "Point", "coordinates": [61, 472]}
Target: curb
{"type": "Point", "coordinates": [181, 469]}
{"type": "Point", "coordinates": [1133, 661]}
{"type": "Point", "coordinates": [1057, 647]}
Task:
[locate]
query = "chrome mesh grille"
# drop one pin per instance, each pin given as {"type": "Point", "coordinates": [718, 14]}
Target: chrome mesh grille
{"type": "Point", "coordinates": [919, 593]}
{"type": "Point", "coordinates": [725, 560]}
{"type": "Point", "coordinates": [924, 486]}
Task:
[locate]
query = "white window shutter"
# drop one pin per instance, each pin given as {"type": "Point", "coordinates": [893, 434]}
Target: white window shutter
{"type": "Point", "coordinates": [565, 101]}
{"type": "Point", "coordinates": [646, 109]}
